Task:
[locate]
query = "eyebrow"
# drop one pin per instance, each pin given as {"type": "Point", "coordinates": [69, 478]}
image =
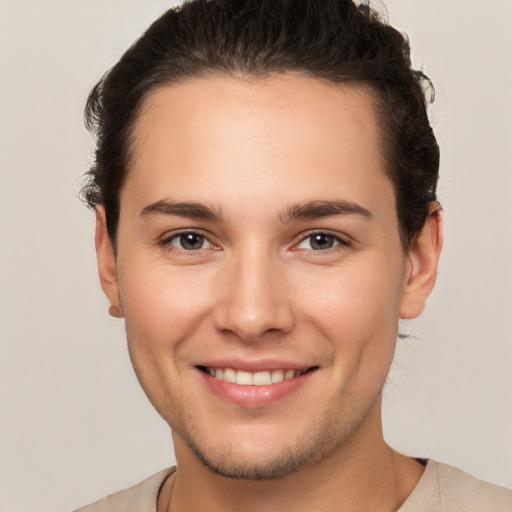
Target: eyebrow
{"type": "Point", "coordinates": [298, 211]}
{"type": "Point", "coordinates": [320, 209]}
{"type": "Point", "coordinates": [189, 209]}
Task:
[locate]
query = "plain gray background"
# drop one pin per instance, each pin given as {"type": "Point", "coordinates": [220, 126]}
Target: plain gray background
{"type": "Point", "coordinates": [75, 424]}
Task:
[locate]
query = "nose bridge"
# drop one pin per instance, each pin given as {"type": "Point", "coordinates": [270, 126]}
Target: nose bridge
{"type": "Point", "coordinates": [254, 299]}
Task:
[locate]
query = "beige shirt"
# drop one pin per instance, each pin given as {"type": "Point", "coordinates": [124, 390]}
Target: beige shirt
{"type": "Point", "coordinates": [442, 488]}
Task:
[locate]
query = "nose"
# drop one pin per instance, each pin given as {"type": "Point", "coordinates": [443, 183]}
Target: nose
{"type": "Point", "coordinates": [253, 298]}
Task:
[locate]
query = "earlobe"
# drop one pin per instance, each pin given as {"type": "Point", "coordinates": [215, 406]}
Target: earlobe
{"type": "Point", "coordinates": [107, 263]}
{"type": "Point", "coordinates": [422, 262]}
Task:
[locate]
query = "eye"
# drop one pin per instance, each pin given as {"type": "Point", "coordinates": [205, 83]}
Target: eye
{"type": "Point", "coordinates": [319, 242]}
{"type": "Point", "coordinates": [189, 241]}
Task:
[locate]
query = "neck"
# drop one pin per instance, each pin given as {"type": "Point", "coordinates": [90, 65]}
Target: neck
{"type": "Point", "coordinates": [339, 481]}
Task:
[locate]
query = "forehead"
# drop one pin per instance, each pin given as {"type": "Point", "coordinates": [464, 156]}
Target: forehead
{"type": "Point", "coordinates": [226, 139]}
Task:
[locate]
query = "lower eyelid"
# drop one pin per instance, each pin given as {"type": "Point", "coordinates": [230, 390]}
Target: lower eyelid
{"type": "Point", "coordinates": [168, 242]}
{"type": "Point", "coordinates": [168, 239]}
{"type": "Point", "coordinates": [338, 241]}
{"type": "Point", "coordinates": [179, 235]}
{"type": "Point", "coordinates": [171, 238]}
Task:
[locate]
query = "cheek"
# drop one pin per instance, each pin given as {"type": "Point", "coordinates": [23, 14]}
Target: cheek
{"type": "Point", "coordinates": [164, 310]}
{"type": "Point", "coordinates": [163, 305]}
{"type": "Point", "coordinates": [353, 299]}
{"type": "Point", "coordinates": [360, 315]}
{"type": "Point", "coordinates": [356, 309]}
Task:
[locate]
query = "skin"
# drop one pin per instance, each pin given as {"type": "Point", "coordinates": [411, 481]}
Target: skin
{"type": "Point", "coordinates": [256, 289]}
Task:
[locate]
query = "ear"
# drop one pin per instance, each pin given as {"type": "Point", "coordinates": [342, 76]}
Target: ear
{"type": "Point", "coordinates": [107, 263]}
{"type": "Point", "coordinates": [422, 261]}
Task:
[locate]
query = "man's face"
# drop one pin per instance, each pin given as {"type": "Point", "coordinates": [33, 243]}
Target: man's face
{"type": "Point", "coordinates": [258, 241]}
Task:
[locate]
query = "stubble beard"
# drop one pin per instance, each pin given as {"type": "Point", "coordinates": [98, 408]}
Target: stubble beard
{"type": "Point", "coordinates": [321, 439]}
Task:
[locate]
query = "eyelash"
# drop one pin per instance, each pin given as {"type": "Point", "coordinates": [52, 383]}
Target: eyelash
{"type": "Point", "coordinates": [338, 242]}
{"type": "Point", "coordinates": [167, 242]}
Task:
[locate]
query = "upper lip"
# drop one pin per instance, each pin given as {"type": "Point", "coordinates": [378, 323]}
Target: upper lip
{"type": "Point", "coordinates": [256, 366]}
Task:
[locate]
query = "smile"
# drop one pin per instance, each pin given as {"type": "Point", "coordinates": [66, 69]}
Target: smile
{"type": "Point", "coordinates": [267, 383]}
{"type": "Point", "coordinates": [260, 378]}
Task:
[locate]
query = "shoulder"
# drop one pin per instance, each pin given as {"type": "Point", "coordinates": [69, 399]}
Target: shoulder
{"type": "Point", "coordinates": [461, 491]}
{"type": "Point", "coordinates": [138, 498]}
{"type": "Point", "coordinates": [444, 488]}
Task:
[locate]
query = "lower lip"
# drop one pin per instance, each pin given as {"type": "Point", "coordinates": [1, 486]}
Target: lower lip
{"type": "Point", "coordinates": [254, 396]}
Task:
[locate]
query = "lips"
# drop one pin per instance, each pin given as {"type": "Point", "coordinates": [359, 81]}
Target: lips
{"type": "Point", "coordinates": [254, 385]}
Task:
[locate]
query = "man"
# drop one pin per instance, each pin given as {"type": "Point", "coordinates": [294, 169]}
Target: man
{"type": "Point", "coordinates": [265, 196]}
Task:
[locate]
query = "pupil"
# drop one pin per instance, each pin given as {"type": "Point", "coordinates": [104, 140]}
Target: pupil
{"type": "Point", "coordinates": [190, 241]}
{"type": "Point", "coordinates": [319, 242]}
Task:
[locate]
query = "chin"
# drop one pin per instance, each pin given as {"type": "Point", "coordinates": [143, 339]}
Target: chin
{"type": "Point", "coordinates": [233, 465]}
{"type": "Point", "coordinates": [264, 457]}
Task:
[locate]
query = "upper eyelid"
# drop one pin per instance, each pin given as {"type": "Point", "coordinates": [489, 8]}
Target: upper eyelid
{"type": "Point", "coordinates": [172, 235]}
{"type": "Point", "coordinates": [345, 239]}
{"type": "Point", "coordinates": [166, 242]}
{"type": "Point", "coordinates": [344, 242]}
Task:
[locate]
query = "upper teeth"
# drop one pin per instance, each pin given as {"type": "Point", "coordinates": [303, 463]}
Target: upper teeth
{"type": "Point", "coordinates": [242, 378]}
